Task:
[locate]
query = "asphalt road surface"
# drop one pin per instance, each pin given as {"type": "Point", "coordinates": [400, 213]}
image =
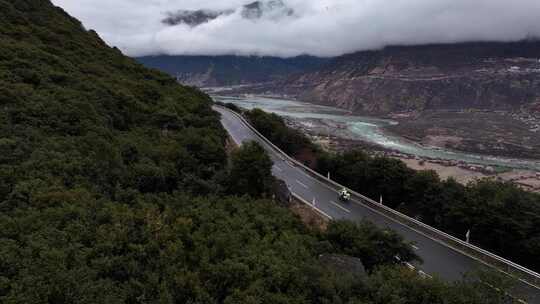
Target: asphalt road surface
{"type": "Point", "coordinates": [438, 260]}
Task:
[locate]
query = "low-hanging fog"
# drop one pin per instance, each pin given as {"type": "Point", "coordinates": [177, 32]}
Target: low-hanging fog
{"type": "Point", "coordinates": [316, 27]}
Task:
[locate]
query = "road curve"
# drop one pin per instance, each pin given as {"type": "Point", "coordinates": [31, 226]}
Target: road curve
{"type": "Point", "coordinates": [438, 260]}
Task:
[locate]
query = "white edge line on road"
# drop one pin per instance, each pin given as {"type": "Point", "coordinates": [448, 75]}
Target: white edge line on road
{"type": "Point", "coordinates": [302, 184]}
{"type": "Point", "coordinates": [340, 207]}
{"type": "Point", "coordinates": [311, 205]}
{"type": "Point", "coordinates": [236, 141]}
{"type": "Point", "coordinates": [278, 168]}
{"type": "Point", "coordinates": [415, 247]}
{"type": "Point", "coordinates": [422, 273]}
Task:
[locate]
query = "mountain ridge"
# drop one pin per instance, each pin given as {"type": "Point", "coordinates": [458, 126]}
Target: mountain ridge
{"type": "Point", "coordinates": [254, 11]}
{"type": "Point", "coordinates": [415, 78]}
{"type": "Point", "coordinates": [206, 71]}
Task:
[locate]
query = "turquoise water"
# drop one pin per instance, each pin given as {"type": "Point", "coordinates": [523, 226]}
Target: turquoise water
{"type": "Point", "coordinates": [369, 130]}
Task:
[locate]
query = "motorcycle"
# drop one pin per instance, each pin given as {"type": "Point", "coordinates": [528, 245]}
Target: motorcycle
{"type": "Point", "coordinates": [344, 196]}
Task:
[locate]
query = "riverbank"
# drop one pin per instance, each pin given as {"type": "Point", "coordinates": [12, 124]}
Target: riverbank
{"type": "Point", "coordinates": [527, 180]}
{"type": "Point", "coordinates": [338, 130]}
{"type": "Point", "coordinates": [462, 172]}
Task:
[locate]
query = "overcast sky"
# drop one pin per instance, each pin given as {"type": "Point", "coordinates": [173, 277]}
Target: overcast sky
{"type": "Point", "coordinates": [319, 27]}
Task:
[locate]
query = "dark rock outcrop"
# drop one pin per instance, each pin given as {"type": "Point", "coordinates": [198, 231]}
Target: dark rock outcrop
{"type": "Point", "coordinates": [281, 192]}
{"type": "Point", "coordinates": [344, 264]}
{"type": "Point", "coordinates": [193, 18]}
{"type": "Point", "coordinates": [272, 9]}
{"type": "Point", "coordinates": [275, 9]}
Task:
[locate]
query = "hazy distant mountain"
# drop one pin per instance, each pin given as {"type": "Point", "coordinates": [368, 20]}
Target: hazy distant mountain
{"type": "Point", "coordinates": [443, 76]}
{"type": "Point", "coordinates": [193, 18]}
{"type": "Point", "coordinates": [271, 9]}
{"type": "Point", "coordinates": [275, 9]}
{"type": "Point", "coordinates": [481, 98]}
{"type": "Point", "coordinates": [231, 70]}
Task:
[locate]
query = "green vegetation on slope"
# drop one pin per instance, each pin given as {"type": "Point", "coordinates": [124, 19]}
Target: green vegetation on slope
{"type": "Point", "coordinates": [111, 191]}
{"type": "Point", "coordinates": [251, 171]}
{"type": "Point", "coordinates": [502, 218]}
{"type": "Point", "coordinates": [76, 113]}
{"type": "Point", "coordinates": [273, 127]}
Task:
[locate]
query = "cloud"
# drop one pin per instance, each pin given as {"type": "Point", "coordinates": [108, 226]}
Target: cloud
{"type": "Point", "coordinates": [317, 27]}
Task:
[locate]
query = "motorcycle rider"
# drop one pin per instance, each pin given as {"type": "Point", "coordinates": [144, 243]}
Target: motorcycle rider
{"type": "Point", "coordinates": [344, 194]}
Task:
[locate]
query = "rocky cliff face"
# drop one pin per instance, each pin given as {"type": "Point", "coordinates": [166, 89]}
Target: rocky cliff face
{"type": "Point", "coordinates": [433, 77]}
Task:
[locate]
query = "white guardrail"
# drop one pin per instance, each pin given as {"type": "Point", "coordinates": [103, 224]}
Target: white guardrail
{"type": "Point", "coordinates": [522, 273]}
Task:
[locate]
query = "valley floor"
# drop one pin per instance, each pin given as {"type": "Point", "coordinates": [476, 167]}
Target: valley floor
{"type": "Point", "coordinates": [509, 135]}
{"type": "Point", "coordinates": [462, 172]}
{"type": "Point", "coordinates": [497, 133]}
{"type": "Point", "coordinates": [528, 180]}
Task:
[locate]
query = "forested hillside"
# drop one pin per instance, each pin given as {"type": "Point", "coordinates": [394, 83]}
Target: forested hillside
{"type": "Point", "coordinates": [113, 184]}
{"type": "Point", "coordinates": [77, 113]}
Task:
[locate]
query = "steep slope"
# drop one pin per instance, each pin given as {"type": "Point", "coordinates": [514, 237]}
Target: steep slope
{"type": "Point", "coordinates": [204, 71]}
{"type": "Point", "coordinates": [69, 99]}
{"type": "Point", "coordinates": [453, 76]}
{"type": "Point", "coordinates": [66, 96]}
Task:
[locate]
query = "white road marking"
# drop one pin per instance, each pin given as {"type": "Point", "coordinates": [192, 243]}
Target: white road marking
{"type": "Point", "coordinates": [410, 266]}
{"type": "Point", "coordinates": [340, 207]}
{"type": "Point", "coordinates": [415, 247]}
{"type": "Point", "coordinates": [316, 209]}
{"type": "Point", "coordinates": [278, 168]}
{"type": "Point", "coordinates": [302, 184]}
{"type": "Point", "coordinates": [423, 274]}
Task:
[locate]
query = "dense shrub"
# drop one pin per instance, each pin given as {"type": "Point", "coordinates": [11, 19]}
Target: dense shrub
{"type": "Point", "coordinates": [274, 128]}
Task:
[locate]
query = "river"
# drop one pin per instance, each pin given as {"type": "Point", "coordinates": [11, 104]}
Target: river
{"type": "Point", "coordinates": [367, 129]}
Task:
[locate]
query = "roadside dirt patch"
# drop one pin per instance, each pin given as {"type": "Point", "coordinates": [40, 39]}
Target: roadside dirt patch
{"type": "Point", "coordinates": [460, 175]}
{"type": "Point", "coordinates": [309, 217]}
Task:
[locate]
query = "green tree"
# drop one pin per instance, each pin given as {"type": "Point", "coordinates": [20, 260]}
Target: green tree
{"type": "Point", "coordinates": [423, 191]}
{"type": "Point", "coordinates": [274, 128]}
{"type": "Point", "coordinates": [400, 285]}
{"type": "Point", "coordinates": [374, 246]}
{"type": "Point", "coordinates": [251, 170]}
